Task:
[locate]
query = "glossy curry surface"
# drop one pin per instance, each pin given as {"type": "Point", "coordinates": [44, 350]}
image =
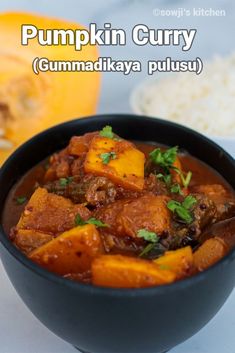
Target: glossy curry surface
{"type": "Point", "coordinates": [115, 213]}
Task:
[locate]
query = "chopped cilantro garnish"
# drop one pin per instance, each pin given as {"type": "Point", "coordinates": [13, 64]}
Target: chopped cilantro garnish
{"type": "Point", "coordinates": [183, 213]}
{"type": "Point", "coordinates": [189, 201]}
{"type": "Point", "coordinates": [106, 157]}
{"type": "Point", "coordinates": [21, 199]}
{"type": "Point", "coordinates": [80, 222]}
{"type": "Point", "coordinates": [186, 179]}
{"type": "Point", "coordinates": [148, 236]}
{"type": "Point", "coordinates": [65, 181]}
{"type": "Point", "coordinates": [164, 159]}
{"type": "Point", "coordinates": [96, 222]}
{"type": "Point", "coordinates": [176, 189]}
{"type": "Point", "coordinates": [166, 178]}
{"type": "Point", "coordinates": [183, 209]}
{"type": "Point", "coordinates": [107, 132]}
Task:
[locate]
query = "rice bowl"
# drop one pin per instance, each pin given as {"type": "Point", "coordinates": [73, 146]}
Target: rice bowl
{"type": "Point", "coordinates": [204, 102]}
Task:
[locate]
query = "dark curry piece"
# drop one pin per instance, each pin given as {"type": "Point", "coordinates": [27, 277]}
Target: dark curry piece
{"type": "Point", "coordinates": [113, 213]}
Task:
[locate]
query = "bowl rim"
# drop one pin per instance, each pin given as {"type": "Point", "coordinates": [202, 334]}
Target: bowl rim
{"type": "Point", "coordinates": [90, 288]}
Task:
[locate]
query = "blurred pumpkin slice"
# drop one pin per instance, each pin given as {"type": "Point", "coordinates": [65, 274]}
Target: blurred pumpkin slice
{"type": "Point", "coordinates": [23, 100]}
{"type": "Point", "coordinates": [30, 103]}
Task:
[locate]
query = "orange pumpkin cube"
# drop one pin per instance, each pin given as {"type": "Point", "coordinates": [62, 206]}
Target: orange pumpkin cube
{"type": "Point", "coordinates": [118, 160]}
{"type": "Point", "coordinates": [179, 261]}
{"type": "Point", "coordinates": [71, 252]}
{"type": "Point", "coordinates": [211, 251]}
{"type": "Point", "coordinates": [128, 272]}
{"type": "Point", "coordinates": [49, 213]}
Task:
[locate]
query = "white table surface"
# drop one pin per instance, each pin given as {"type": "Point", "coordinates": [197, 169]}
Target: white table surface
{"type": "Point", "coordinates": [20, 331]}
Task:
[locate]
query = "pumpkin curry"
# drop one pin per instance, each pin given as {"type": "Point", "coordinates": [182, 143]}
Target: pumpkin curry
{"type": "Point", "coordinates": [114, 213]}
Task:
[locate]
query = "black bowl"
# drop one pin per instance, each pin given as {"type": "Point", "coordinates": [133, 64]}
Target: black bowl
{"type": "Point", "coordinates": [105, 320]}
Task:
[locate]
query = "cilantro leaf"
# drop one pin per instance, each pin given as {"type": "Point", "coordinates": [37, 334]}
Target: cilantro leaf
{"type": "Point", "coordinates": [184, 214]}
{"type": "Point", "coordinates": [80, 222]}
{"type": "Point", "coordinates": [176, 189]}
{"type": "Point", "coordinates": [65, 181]}
{"type": "Point", "coordinates": [170, 155]}
{"type": "Point", "coordinates": [183, 209]}
{"type": "Point", "coordinates": [164, 159]}
{"type": "Point", "coordinates": [189, 201]}
{"type": "Point", "coordinates": [107, 132]}
{"type": "Point", "coordinates": [148, 236]}
{"type": "Point", "coordinates": [172, 205]}
{"type": "Point", "coordinates": [21, 200]}
{"type": "Point", "coordinates": [96, 222]}
{"type": "Point", "coordinates": [166, 178]}
{"type": "Point", "coordinates": [106, 157]}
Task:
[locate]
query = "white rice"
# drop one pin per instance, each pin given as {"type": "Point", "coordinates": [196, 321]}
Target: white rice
{"type": "Point", "coordinates": [204, 102]}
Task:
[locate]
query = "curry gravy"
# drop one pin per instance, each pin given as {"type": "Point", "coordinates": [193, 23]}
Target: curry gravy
{"type": "Point", "coordinates": [202, 174]}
